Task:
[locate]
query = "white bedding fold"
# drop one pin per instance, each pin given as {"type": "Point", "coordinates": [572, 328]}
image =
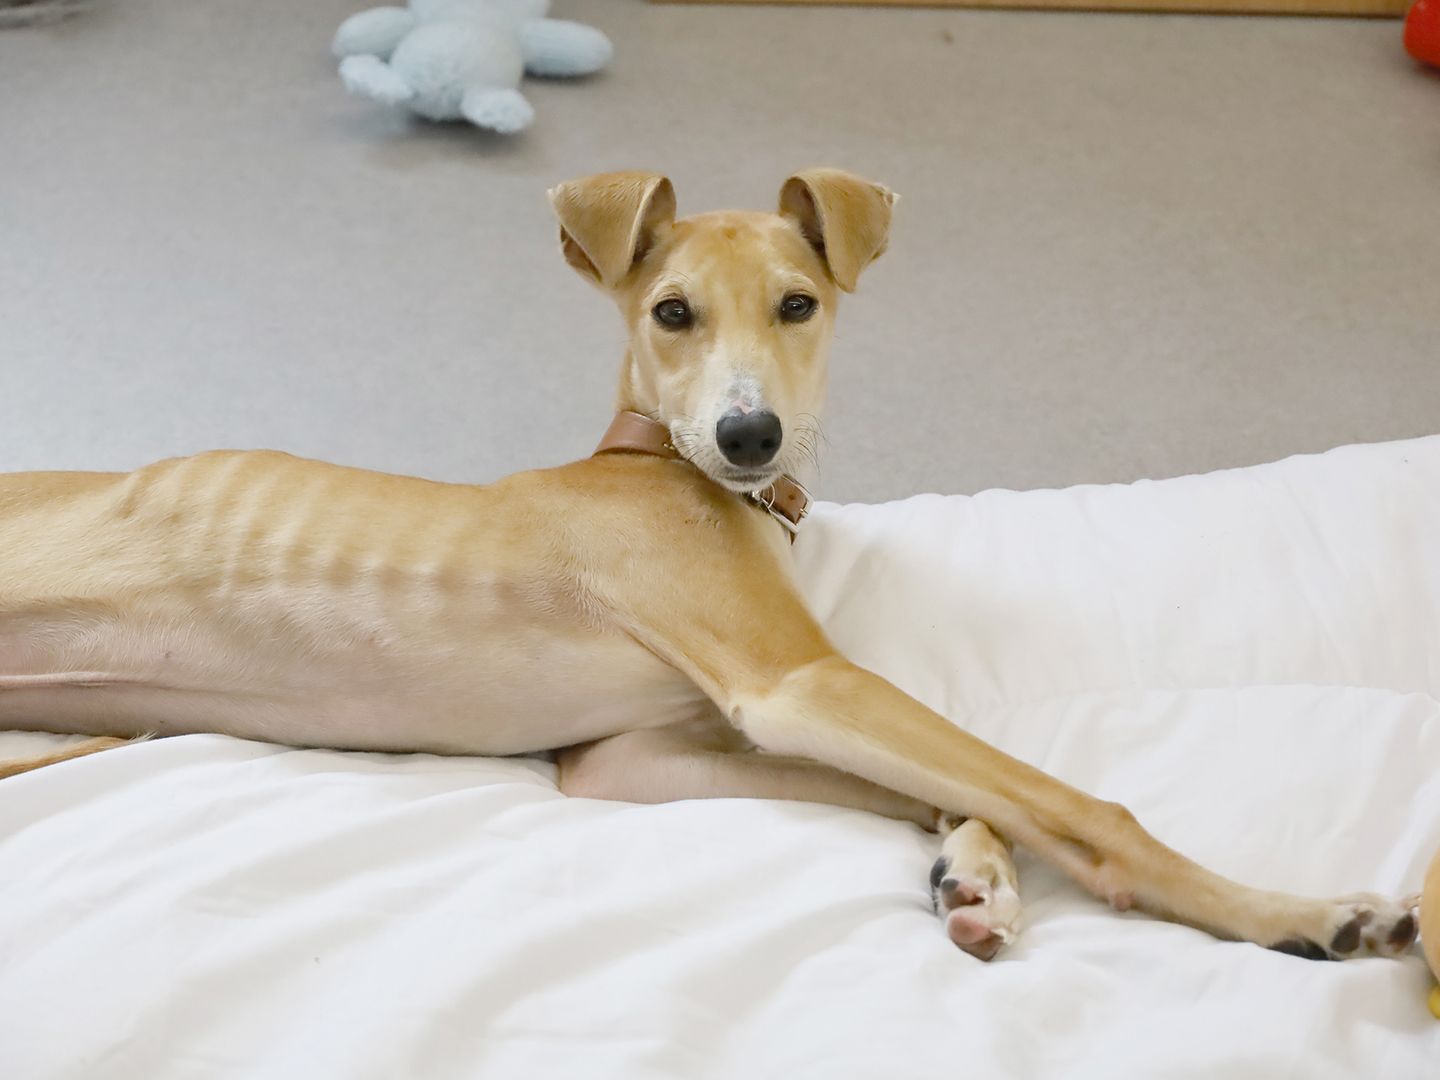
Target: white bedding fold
{"type": "Point", "coordinates": [1250, 660]}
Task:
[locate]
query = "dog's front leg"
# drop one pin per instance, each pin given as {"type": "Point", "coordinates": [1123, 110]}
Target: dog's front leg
{"type": "Point", "coordinates": [727, 614]}
{"type": "Point", "coordinates": [845, 716]}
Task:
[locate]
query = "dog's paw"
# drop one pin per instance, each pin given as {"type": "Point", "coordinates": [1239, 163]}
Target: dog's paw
{"type": "Point", "coordinates": [973, 887]}
{"type": "Point", "coordinates": [1361, 925]}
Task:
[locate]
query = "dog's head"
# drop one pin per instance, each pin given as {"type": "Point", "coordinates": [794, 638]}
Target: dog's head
{"type": "Point", "coordinates": [730, 313]}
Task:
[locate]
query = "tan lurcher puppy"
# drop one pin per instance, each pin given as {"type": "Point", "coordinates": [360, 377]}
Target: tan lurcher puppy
{"type": "Point", "coordinates": [635, 613]}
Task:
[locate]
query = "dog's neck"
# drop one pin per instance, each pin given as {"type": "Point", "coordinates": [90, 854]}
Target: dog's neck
{"type": "Point", "coordinates": [636, 394]}
{"type": "Point", "coordinates": [786, 500]}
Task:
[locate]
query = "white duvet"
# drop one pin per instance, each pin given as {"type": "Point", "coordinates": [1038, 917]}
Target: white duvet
{"type": "Point", "coordinates": [1250, 660]}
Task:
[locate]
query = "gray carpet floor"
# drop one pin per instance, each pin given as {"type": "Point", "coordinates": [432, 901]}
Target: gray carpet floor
{"type": "Point", "coordinates": [1128, 246]}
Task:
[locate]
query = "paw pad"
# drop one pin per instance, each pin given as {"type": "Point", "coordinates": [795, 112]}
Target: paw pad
{"type": "Point", "coordinates": [1302, 947]}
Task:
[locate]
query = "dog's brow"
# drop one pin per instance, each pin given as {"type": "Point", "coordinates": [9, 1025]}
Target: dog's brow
{"type": "Point", "coordinates": [793, 282]}
{"type": "Point", "coordinates": [669, 282]}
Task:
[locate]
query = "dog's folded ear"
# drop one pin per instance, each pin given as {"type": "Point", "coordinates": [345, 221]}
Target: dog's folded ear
{"type": "Point", "coordinates": [609, 221]}
{"type": "Point", "coordinates": [846, 219]}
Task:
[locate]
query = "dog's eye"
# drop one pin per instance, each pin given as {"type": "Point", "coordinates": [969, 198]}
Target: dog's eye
{"type": "Point", "coordinates": [675, 314]}
{"type": "Point", "coordinates": [797, 307]}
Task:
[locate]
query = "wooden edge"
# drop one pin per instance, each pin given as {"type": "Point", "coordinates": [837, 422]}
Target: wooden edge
{"type": "Point", "coordinates": [1377, 9]}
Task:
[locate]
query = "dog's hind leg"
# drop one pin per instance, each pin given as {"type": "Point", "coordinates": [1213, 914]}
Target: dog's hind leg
{"type": "Point", "coordinates": [973, 882]}
{"type": "Point", "coordinates": [710, 760]}
{"type": "Point", "coordinates": [975, 888]}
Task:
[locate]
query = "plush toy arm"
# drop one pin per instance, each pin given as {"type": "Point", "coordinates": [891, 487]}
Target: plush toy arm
{"type": "Point", "coordinates": [561, 49]}
{"type": "Point", "coordinates": [372, 33]}
{"type": "Point", "coordinates": [503, 111]}
{"type": "Point", "coordinates": [370, 77]}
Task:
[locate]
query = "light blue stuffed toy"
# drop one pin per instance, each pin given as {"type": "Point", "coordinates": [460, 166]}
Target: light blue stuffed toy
{"type": "Point", "coordinates": [463, 59]}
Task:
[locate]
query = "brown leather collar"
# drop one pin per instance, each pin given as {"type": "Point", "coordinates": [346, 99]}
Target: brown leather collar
{"type": "Point", "coordinates": [786, 500]}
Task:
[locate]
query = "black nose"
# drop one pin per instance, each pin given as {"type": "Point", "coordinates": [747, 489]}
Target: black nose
{"type": "Point", "coordinates": [748, 439]}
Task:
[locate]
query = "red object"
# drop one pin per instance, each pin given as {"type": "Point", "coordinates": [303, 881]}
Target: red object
{"type": "Point", "coordinates": [1422, 31]}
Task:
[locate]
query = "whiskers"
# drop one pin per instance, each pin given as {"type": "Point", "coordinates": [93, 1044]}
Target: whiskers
{"type": "Point", "coordinates": [806, 439]}
{"type": "Point", "coordinates": [686, 436]}
{"type": "Point", "coordinates": [696, 444]}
